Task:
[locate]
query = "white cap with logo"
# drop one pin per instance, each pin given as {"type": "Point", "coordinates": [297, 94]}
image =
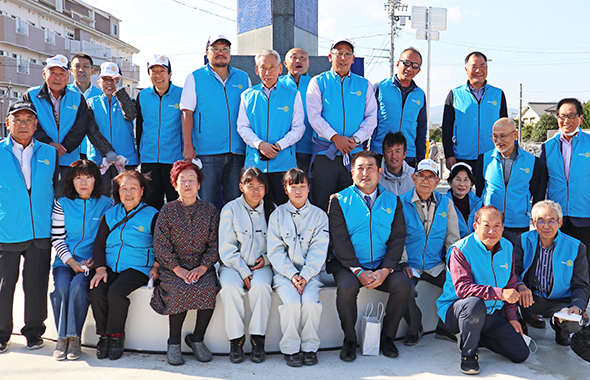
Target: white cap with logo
{"type": "Point", "coordinates": [109, 69]}
{"type": "Point", "coordinates": [217, 37]}
{"type": "Point", "coordinates": [57, 61]}
{"type": "Point", "coordinates": [158, 60]}
{"type": "Point", "coordinates": [427, 164]}
{"type": "Point", "coordinates": [339, 40]}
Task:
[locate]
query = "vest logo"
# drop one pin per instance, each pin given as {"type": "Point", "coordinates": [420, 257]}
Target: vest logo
{"type": "Point", "coordinates": [587, 155]}
{"type": "Point", "coordinates": [569, 263]}
{"type": "Point", "coordinates": [140, 228]}
{"type": "Point", "coordinates": [526, 170]}
{"type": "Point", "coordinates": [74, 107]}
{"type": "Point", "coordinates": [358, 93]}
{"type": "Point", "coordinates": [45, 161]}
{"type": "Point", "coordinates": [174, 105]}
{"type": "Point", "coordinates": [443, 214]}
{"type": "Point", "coordinates": [240, 86]}
{"type": "Point", "coordinates": [416, 101]}
{"type": "Point", "coordinates": [285, 108]}
{"type": "Point", "coordinates": [493, 102]}
{"type": "Point", "coordinates": [505, 266]}
{"type": "Point", "coordinates": [387, 210]}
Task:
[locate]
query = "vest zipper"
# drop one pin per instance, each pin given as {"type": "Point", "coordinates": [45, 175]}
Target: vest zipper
{"type": "Point", "coordinates": [478, 120]}
{"type": "Point", "coordinates": [83, 230]}
{"type": "Point", "coordinates": [494, 273]}
{"type": "Point", "coordinates": [110, 124]}
{"type": "Point", "coordinates": [371, 230]}
{"type": "Point", "coordinates": [426, 239]}
{"type": "Point", "coordinates": [31, 206]}
{"type": "Point", "coordinates": [159, 126]}
{"type": "Point", "coordinates": [121, 247]}
{"type": "Point", "coordinates": [402, 113]}
{"type": "Point", "coordinates": [228, 118]}
{"type": "Point", "coordinates": [344, 115]}
{"type": "Point", "coordinates": [267, 127]}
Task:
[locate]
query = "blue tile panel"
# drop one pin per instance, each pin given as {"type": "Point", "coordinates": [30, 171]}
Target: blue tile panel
{"type": "Point", "coordinates": [306, 15]}
{"type": "Point", "coordinates": [256, 14]}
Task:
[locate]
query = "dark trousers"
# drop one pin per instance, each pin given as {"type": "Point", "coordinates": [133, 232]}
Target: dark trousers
{"type": "Point", "coordinates": [468, 317]}
{"type": "Point", "coordinates": [35, 280]}
{"type": "Point", "coordinates": [59, 186]}
{"type": "Point", "coordinates": [328, 177]}
{"type": "Point", "coordinates": [580, 233]}
{"type": "Point", "coordinates": [413, 316]}
{"type": "Point", "coordinates": [396, 284]}
{"type": "Point", "coordinates": [109, 300]}
{"type": "Point", "coordinates": [160, 184]}
{"type": "Point", "coordinates": [513, 234]}
{"type": "Point", "coordinates": [303, 161]}
{"type": "Point", "coordinates": [277, 191]}
{"type": "Point", "coordinates": [547, 308]}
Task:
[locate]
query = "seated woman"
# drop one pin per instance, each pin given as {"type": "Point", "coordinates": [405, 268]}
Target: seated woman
{"type": "Point", "coordinates": [74, 223]}
{"type": "Point", "coordinates": [185, 243]}
{"type": "Point", "coordinates": [124, 260]}
{"type": "Point", "coordinates": [461, 180]}
{"type": "Point", "coordinates": [298, 240]}
{"type": "Point", "coordinates": [242, 250]}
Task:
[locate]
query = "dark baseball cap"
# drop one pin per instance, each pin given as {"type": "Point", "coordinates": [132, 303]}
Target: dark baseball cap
{"type": "Point", "coordinates": [20, 106]}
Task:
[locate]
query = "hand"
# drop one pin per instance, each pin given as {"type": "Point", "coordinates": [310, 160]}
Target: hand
{"type": "Point", "coordinates": [247, 281]}
{"type": "Point", "coordinates": [118, 82]}
{"type": "Point", "coordinates": [380, 276]}
{"type": "Point", "coordinates": [510, 295]}
{"type": "Point", "coordinates": [182, 273]}
{"type": "Point", "coordinates": [195, 274]}
{"type": "Point", "coordinates": [100, 275]}
{"type": "Point", "coordinates": [189, 153]}
{"type": "Point", "coordinates": [89, 263]}
{"type": "Point", "coordinates": [517, 326]}
{"type": "Point", "coordinates": [76, 266]}
{"type": "Point", "coordinates": [450, 162]}
{"type": "Point", "coordinates": [343, 143]}
{"type": "Point", "coordinates": [299, 283]}
{"type": "Point", "coordinates": [574, 310]}
{"type": "Point", "coordinates": [366, 278]}
{"type": "Point", "coordinates": [259, 263]}
{"type": "Point", "coordinates": [155, 272]}
{"type": "Point", "coordinates": [526, 296]}
{"type": "Point", "coordinates": [268, 150]}
{"type": "Point", "coordinates": [60, 149]}
{"type": "Point", "coordinates": [408, 271]}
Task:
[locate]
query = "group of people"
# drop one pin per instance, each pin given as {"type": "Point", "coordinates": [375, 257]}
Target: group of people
{"type": "Point", "coordinates": [314, 173]}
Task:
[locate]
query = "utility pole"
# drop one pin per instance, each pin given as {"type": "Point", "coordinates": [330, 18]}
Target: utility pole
{"type": "Point", "coordinates": [391, 6]}
{"type": "Point", "coordinates": [520, 118]}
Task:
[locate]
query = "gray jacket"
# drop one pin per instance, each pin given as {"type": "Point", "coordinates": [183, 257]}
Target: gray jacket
{"type": "Point", "coordinates": [397, 185]}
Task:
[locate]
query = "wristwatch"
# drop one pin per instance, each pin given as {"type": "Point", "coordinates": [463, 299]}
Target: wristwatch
{"type": "Point", "coordinates": [356, 139]}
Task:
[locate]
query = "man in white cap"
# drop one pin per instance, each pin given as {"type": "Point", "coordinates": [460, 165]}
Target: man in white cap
{"type": "Point", "coordinates": [62, 114]}
{"type": "Point", "coordinates": [210, 103]}
{"type": "Point", "coordinates": [432, 228]}
{"type": "Point", "coordinates": [158, 129]}
{"type": "Point", "coordinates": [342, 110]}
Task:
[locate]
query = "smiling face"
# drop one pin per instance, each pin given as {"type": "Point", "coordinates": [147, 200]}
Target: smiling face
{"type": "Point", "coordinates": [297, 62]}
{"type": "Point", "coordinates": [268, 70]}
{"type": "Point", "coordinates": [84, 185]}
{"type": "Point", "coordinates": [568, 125]}
{"type": "Point", "coordinates": [477, 70]}
{"type": "Point", "coordinates": [405, 74]}
{"type": "Point", "coordinates": [461, 184]}
{"type": "Point", "coordinates": [108, 85]}
{"type": "Point", "coordinates": [504, 136]}
{"type": "Point", "coordinates": [56, 79]}
{"type": "Point", "coordinates": [366, 174]}
{"type": "Point", "coordinates": [547, 223]}
{"type": "Point", "coordinates": [341, 57]}
{"type": "Point", "coordinates": [218, 54]}
{"type": "Point", "coordinates": [160, 77]}
{"type": "Point", "coordinates": [489, 227]}
{"type": "Point", "coordinates": [130, 192]}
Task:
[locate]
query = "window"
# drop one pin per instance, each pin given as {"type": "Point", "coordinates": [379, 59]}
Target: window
{"type": "Point", "coordinates": [115, 29]}
{"type": "Point", "coordinates": [22, 66]}
{"type": "Point", "coordinates": [21, 26]}
{"type": "Point", "coordinates": [16, 94]}
{"type": "Point", "coordinates": [3, 13]}
{"type": "Point", "coordinates": [70, 35]}
{"type": "Point", "coordinates": [32, 60]}
{"type": "Point", "coordinates": [3, 53]}
{"type": "Point", "coordinates": [49, 37]}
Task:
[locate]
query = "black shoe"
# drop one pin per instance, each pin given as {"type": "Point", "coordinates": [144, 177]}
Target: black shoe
{"type": "Point", "coordinates": [310, 358]}
{"type": "Point", "coordinates": [388, 347]}
{"type": "Point", "coordinates": [35, 343]}
{"type": "Point", "coordinates": [412, 339]}
{"type": "Point", "coordinates": [4, 346]}
{"type": "Point", "coordinates": [469, 365]}
{"type": "Point", "coordinates": [561, 337]}
{"type": "Point", "coordinates": [535, 320]}
{"type": "Point", "coordinates": [348, 352]}
{"type": "Point", "coordinates": [257, 355]}
{"type": "Point", "coordinates": [445, 334]}
{"type": "Point", "coordinates": [236, 353]}
{"type": "Point", "coordinates": [116, 347]}
{"type": "Point", "coordinates": [102, 348]}
{"type": "Point", "coordinates": [293, 360]}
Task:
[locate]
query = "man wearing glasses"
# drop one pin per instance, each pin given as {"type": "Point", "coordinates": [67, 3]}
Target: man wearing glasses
{"type": "Point", "coordinates": [342, 110]}
{"type": "Point", "coordinates": [210, 103]}
{"type": "Point", "coordinates": [402, 107]}
{"type": "Point", "coordinates": [470, 112]}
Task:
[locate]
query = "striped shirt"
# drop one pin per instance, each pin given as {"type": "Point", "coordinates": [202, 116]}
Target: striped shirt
{"type": "Point", "coordinates": [543, 281]}
{"type": "Point", "coordinates": [58, 233]}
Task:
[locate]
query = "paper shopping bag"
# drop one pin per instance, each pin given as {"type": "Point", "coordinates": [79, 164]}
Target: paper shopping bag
{"type": "Point", "coordinates": [371, 329]}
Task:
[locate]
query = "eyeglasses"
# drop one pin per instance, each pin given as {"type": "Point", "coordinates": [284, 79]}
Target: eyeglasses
{"type": "Point", "coordinates": [23, 122]}
{"type": "Point", "coordinates": [409, 63]}
{"type": "Point", "coordinates": [551, 222]}
{"type": "Point", "coordinates": [340, 54]}
{"type": "Point", "coordinates": [570, 116]}
{"type": "Point", "coordinates": [501, 136]}
{"type": "Point", "coordinates": [423, 178]}
{"type": "Point", "coordinates": [215, 49]}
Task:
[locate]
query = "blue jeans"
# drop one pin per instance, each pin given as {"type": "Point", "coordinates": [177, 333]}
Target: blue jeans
{"type": "Point", "coordinates": [70, 301]}
{"type": "Point", "coordinates": [221, 170]}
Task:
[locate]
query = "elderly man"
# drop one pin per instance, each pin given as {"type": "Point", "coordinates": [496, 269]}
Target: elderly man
{"type": "Point", "coordinates": [479, 296]}
{"type": "Point", "coordinates": [62, 114]}
{"type": "Point", "coordinates": [342, 110]}
{"type": "Point", "coordinates": [508, 177]}
{"type": "Point", "coordinates": [553, 271]}
{"type": "Point", "coordinates": [210, 101]}
{"type": "Point", "coordinates": [402, 107]}
{"type": "Point", "coordinates": [397, 174]}
{"type": "Point", "coordinates": [270, 123]}
{"type": "Point", "coordinates": [297, 63]}
{"type": "Point", "coordinates": [26, 199]}
{"type": "Point", "coordinates": [367, 254]}
{"type": "Point", "coordinates": [470, 112]}
{"type": "Point", "coordinates": [432, 228]}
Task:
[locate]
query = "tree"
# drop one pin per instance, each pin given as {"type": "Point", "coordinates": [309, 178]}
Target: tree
{"type": "Point", "coordinates": [436, 135]}
{"type": "Point", "coordinates": [526, 130]}
{"type": "Point", "coordinates": [545, 123]}
{"type": "Point", "coordinates": [586, 121]}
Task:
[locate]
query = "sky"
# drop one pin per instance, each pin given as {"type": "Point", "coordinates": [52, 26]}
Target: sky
{"type": "Point", "coordinates": [543, 46]}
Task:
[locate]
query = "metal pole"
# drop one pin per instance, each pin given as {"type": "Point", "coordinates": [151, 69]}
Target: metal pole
{"type": "Point", "coordinates": [520, 118]}
{"type": "Point", "coordinates": [391, 49]}
{"type": "Point", "coordinates": [428, 37]}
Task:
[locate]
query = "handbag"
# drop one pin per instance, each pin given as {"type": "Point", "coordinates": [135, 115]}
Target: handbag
{"type": "Point", "coordinates": [371, 329]}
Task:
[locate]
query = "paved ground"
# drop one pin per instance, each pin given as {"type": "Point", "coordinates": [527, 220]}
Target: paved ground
{"type": "Point", "coordinates": [430, 359]}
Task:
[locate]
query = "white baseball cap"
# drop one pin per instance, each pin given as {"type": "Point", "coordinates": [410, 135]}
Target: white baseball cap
{"type": "Point", "coordinates": [158, 60]}
{"type": "Point", "coordinates": [345, 40]}
{"type": "Point", "coordinates": [427, 164]}
{"type": "Point", "coordinates": [57, 61]}
{"type": "Point", "coordinates": [217, 37]}
{"type": "Point", "coordinates": [109, 69]}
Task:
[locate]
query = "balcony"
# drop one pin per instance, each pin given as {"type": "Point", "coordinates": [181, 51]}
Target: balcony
{"type": "Point", "coordinates": [92, 49]}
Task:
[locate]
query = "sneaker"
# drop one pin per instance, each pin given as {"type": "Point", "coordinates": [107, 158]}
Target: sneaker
{"type": "Point", "coordinates": [174, 354]}
{"type": "Point", "coordinates": [294, 360]}
{"type": "Point", "coordinates": [74, 348]}
{"type": "Point", "coordinates": [4, 346]}
{"type": "Point", "coordinates": [310, 358]}
{"type": "Point", "coordinates": [61, 348]}
{"type": "Point", "coordinates": [116, 347]}
{"type": "Point", "coordinates": [236, 354]}
{"type": "Point", "coordinates": [258, 355]}
{"type": "Point", "coordinates": [348, 352]}
{"type": "Point", "coordinates": [102, 347]}
{"type": "Point", "coordinates": [201, 351]}
{"type": "Point", "coordinates": [35, 343]}
{"type": "Point", "coordinates": [470, 365]}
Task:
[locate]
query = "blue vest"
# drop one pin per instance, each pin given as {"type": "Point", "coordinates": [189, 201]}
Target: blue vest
{"type": "Point", "coordinates": [161, 140]}
{"type": "Point", "coordinates": [393, 116]}
{"type": "Point", "coordinates": [573, 197]}
{"type": "Point", "coordinates": [425, 254]}
{"type": "Point", "coordinates": [369, 230]}
{"type": "Point", "coordinates": [474, 121]}
{"type": "Point", "coordinates": [90, 92]}
{"type": "Point", "coordinates": [305, 145]}
{"type": "Point", "coordinates": [113, 126]}
{"type": "Point", "coordinates": [68, 113]}
{"type": "Point", "coordinates": [485, 270]}
{"type": "Point", "coordinates": [343, 103]}
{"type": "Point", "coordinates": [474, 205]}
{"type": "Point", "coordinates": [564, 256]}
{"type": "Point", "coordinates": [215, 118]}
{"type": "Point", "coordinates": [82, 219]}
{"type": "Point", "coordinates": [514, 199]}
{"type": "Point", "coordinates": [270, 118]}
{"type": "Point", "coordinates": [130, 246]}
{"type": "Point", "coordinates": [25, 216]}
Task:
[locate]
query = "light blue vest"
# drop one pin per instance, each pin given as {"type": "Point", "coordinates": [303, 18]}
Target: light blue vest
{"type": "Point", "coordinates": [564, 256]}
{"type": "Point", "coordinates": [113, 126]}
{"type": "Point", "coordinates": [305, 145]}
{"type": "Point", "coordinates": [369, 230]}
{"type": "Point", "coordinates": [215, 118]}
{"type": "Point", "coordinates": [485, 270]}
{"type": "Point", "coordinates": [89, 93]}
{"type": "Point", "coordinates": [393, 116]}
{"type": "Point", "coordinates": [130, 246]}
{"type": "Point", "coordinates": [161, 140]}
{"type": "Point", "coordinates": [573, 197]}
{"type": "Point", "coordinates": [474, 121]}
{"type": "Point", "coordinates": [474, 205]}
{"type": "Point", "coordinates": [343, 103]}
{"type": "Point", "coordinates": [270, 118]}
{"type": "Point", "coordinates": [514, 199]}
{"type": "Point", "coordinates": [25, 216]}
{"type": "Point", "coordinates": [82, 219]}
{"type": "Point", "coordinates": [67, 117]}
{"type": "Point", "coordinates": [425, 254]}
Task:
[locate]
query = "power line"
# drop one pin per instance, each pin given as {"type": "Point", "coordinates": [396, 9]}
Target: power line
{"type": "Point", "coordinates": [207, 11]}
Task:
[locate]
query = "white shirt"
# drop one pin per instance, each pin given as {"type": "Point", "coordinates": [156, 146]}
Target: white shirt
{"type": "Point", "coordinates": [314, 100]}
{"type": "Point", "coordinates": [24, 156]}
